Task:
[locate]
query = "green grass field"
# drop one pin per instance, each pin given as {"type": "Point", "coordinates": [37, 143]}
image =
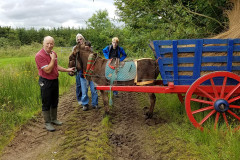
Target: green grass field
{"type": "Point", "coordinates": [19, 89]}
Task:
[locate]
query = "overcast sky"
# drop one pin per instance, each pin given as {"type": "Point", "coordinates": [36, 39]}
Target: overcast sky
{"type": "Point", "coordinates": [51, 13]}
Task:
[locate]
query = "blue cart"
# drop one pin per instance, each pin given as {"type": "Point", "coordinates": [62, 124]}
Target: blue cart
{"type": "Point", "coordinates": [205, 75]}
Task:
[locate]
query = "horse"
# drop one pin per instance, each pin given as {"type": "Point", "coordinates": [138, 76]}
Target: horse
{"type": "Point", "coordinates": [146, 71]}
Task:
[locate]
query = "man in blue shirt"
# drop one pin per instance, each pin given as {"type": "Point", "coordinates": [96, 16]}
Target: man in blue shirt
{"type": "Point", "coordinates": [114, 51]}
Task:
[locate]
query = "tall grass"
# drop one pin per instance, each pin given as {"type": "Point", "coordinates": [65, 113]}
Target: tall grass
{"type": "Point", "coordinates": [214, 144]}
{"type": "Point", "coordinates": [19, 89]}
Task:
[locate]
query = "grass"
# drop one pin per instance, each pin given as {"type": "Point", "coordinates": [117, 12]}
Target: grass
{"type": "Point", "coordinates": [19, 89]}
{"type": "Point", "coordinates": [191, 141]}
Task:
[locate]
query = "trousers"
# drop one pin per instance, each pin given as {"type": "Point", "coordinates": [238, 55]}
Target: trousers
{"type": "Point", "coordinates": [49, 93]}
{"type": "Point", "coordinates": [78, 87]}
{"type": "Point", "coordinates": [85, 85]}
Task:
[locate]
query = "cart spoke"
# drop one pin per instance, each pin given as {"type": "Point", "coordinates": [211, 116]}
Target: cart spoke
{"type": "Point", "coordinates": [223, 87]}
{"type": "Point", "coordinates": [232, 91]}
{"type": "Point", "coordinates": [216, 120]}
{"type": "Point", "coordinates": [234, 106]}
{"type": "Point", "coordinates": [204, 92]}
{"type": "Point", "coordinates": [207, 116]}
{"type": "Point", "coordinates": [230, 112]}
{"type": "Point", "coordinates": [202, 101]}
{"type": "Point", "coordinates": [225, 118]}
{"type": "Point", "coordinates": [203, 109]}
{"type": "Point", "coordinates": [234, 99]}
{"type": "Point", "coordinates": [214, 88]}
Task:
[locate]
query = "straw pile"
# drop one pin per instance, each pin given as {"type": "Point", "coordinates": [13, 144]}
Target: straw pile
{"type": "Point", "coordinates": [232, 32]}
{"type": "Point", "coordinates": [234, 22]}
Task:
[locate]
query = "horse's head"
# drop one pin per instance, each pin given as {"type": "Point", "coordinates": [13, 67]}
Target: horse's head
{"type": "Point", "coordinates": [73, 60]}
{"type": "Point", "coordinates": [72, 63]}
{"type": "Point", "coordinates": [78, 59]}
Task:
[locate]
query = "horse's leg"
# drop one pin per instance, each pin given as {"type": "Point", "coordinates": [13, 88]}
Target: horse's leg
{"type": "Point", "coordinates": [105, 101]}
{"type": "Point", "coordinates": [152, 98]}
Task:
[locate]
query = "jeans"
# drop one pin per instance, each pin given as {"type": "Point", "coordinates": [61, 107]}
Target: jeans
{"type": "Point", "coordinates": [78, 87]}
{"type": "Point", "coordinates": [94, 94]}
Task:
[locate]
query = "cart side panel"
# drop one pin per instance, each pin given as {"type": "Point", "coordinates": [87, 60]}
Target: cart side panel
{"type": "Point", "coordinates": [184, 61]}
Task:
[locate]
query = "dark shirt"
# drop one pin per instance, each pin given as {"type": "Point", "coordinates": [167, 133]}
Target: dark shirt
{"type": "Point", "coordinates": [113, 53]}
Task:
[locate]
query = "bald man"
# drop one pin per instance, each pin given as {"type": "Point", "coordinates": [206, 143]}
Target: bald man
{"type": "Point", "coordinates": [47, 65]}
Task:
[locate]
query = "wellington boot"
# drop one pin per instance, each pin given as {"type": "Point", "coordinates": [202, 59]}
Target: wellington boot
{"type": "Point", "coordinates": [47, 119]}
{"type": "Point", "coordinates": [49, 127]}
{"type": "Point", "coordinates": [54, 117]}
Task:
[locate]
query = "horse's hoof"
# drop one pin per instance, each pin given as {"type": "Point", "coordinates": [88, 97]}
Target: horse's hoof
{"type": "Point", "coordinates": [148, 115]}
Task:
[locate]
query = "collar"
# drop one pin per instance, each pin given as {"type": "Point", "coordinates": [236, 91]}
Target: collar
{"type": "Point", "coordinates": [46, 52]}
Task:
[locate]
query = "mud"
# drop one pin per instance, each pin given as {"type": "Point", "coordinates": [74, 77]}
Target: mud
{"type": "Point", "coordinates": [126, 135]}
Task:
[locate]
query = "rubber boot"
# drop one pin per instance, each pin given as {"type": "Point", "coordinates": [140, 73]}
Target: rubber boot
{"type": "Point", "coordinates": [54, 117]}
{"type": "Point", "coordinates": [47, 119]}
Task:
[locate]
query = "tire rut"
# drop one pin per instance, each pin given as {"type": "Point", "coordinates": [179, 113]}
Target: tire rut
{"type": "Point", "coordinates": [84, 134]}
{"type": "Point", "coordinates": [128, 133]}
{"type": "Point", "coordinates": [32, 138]}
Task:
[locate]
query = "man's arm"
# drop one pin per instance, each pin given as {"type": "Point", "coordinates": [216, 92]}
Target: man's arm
{"type": "Point", "coordinates": [106, 52]}
{"type": "Point", "coordinates": [124, 55]}
{"type": "Point", "coordinates": [61, 69]}
{"type": "Point", "coordinates": [50, 66]}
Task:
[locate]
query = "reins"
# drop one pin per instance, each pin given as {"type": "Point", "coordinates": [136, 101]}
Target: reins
{"type": "Point", "coordinates": [76, 62]}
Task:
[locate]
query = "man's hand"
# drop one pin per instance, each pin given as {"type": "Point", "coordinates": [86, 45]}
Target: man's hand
{"type": "Point", "coordinates": [53, 56]}
{"type": "Point", "coordinates": [71, 69]}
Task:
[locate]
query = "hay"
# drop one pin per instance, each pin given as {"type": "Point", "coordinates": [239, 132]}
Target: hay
{"type": "Point", "coordinates": [233, 32]}
{"type": "Point", "coordinates": [234, 22]}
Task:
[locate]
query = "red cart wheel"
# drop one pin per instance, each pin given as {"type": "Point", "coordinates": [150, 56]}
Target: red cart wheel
{"type": "Point", "coordinates": [221, 107]}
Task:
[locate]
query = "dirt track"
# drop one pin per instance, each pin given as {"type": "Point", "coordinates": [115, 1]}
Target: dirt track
{"type": "Point", "coordinates": [83, 135]}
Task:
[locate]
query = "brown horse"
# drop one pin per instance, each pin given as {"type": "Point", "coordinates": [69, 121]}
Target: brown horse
{"type": "Point", "coordinates": [147, 71]}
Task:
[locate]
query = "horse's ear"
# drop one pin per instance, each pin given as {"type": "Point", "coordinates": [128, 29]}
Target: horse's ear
{"type": "Point", "coordinates": [152, 48]}
{"type": "Point", "coordinates": [76, 49]}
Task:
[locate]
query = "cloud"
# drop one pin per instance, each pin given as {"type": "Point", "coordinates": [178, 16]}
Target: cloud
{"type": "Point", "coordinates": [51, 13]}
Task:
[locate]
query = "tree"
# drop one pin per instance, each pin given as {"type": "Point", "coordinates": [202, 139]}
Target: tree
{"type": "Point", "coordinates": [174, 18]}
{"type": "Point", "coordinates": [100, 30]}
{"type": "Point", "coordinates": [169, 19]}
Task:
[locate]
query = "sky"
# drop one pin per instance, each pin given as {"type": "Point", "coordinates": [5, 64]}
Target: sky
{"type": "Point", "coordinates": [51, 13]}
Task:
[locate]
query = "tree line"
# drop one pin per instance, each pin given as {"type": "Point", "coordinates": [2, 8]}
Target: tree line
{"type": "Point", "coordinates": [144, 20]}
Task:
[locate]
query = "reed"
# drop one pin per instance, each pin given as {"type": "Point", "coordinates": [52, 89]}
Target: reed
{"type": "Point", "coordinates": [19, 90]}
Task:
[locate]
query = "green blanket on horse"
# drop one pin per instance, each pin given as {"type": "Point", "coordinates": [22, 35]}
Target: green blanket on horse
{"type": "Point", "coordinates": [123, 73]}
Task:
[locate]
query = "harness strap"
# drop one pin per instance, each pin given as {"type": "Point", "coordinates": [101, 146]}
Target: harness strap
{"type": "Point", "coordinates": [76, 62]}
{"type": "Point", "coordinates": [109, 64]}
{"type": "Point", "coordinates": [90, 65]}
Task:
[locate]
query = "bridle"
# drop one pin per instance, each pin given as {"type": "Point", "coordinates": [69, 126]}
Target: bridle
{"type": "Point", "coordinates": [76, 63]}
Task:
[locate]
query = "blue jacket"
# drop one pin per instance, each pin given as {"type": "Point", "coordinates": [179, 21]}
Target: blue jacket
{"type": "Point", "coordinates": [121, 51]}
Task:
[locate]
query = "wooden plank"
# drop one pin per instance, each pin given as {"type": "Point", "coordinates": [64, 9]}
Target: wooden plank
{"type": "Point", "coordinates": [198, 59]}
{"type": "Point", "coordinates": [229, 55]}
{"type": "Point", "coordinates": [214, 68]}
{"type": "Point", "coordinates": [175, 62]}
{"type": "Point", "coordinates": [215, 41]}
